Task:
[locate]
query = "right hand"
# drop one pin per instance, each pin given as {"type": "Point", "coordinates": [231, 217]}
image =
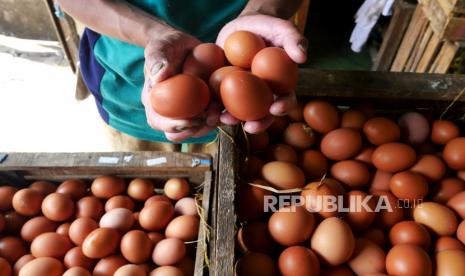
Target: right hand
{"type": "Point", "coordinates": [164, 57]}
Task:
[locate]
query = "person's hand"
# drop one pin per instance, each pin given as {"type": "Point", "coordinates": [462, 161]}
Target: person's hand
{"type": "Point", "coordinates": [276, 32]}
{"type": "Point", "coordinates": [164, 56]}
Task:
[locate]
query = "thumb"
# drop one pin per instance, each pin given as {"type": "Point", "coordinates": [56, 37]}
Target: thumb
{"type": "Point", "coordinates": [296, 48]}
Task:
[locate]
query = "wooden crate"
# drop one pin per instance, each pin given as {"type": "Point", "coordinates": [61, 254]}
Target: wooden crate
{"type": "Point", "coordinates": [386, 90]}
{"type": "Point", "coordinates": [447, 18]}
{"type": "Point", "coordinates": [19, 169]}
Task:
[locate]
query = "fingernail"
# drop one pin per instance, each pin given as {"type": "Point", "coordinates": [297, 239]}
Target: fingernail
{"type": "Point", "coordinates": [180, 128]}
{"type": "Point", "coordinates": [156, 68]}
{"type": "Point", "coordinates": [302, 47]}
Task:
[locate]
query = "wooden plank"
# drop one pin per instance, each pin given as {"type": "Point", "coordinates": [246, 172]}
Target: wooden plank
{"type": "Point", "coordinates": [445, 57]}
{"type": "Point", "coordinates": [425, 38]}
{"type": "Point", "coordinates": [423, 29]}
{"type": "Point", "coordinates": [393, 37]}
{"type": "Point", "coordinates": [300, 17]}
{"type": "Point", "coordinates": [431, 50]}
{"type": "Point", "coordinates": [455, 29]}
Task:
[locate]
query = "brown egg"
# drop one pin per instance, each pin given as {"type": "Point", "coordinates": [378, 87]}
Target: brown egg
{"type": "Point", "coordinates": [245, 96]}
{"type": "Point", "coordinates": [89, 207]}
{"type": "Point", "coordinates": [156, 216]}
{"type": "Point", "coordinates": [368, 258]}
{"type": "Point", "coordinates": [136, 246]}
{"type": "Point", "coordinates": [250, 200]}
{"type": "Point", "coordinates": [333, 241]}
{"type": "Point", "coordinates": [352, 173]}
{"type": "Point", "coordinates": [461, 232]}
{"type": "Point", "coordinates": [130, 270]}
{"type": "Point", "coordinates": [274, 66]}
{"type": "Point", "coordinates": [321, 116]}
{"type": "Point", "coordinates": [187, 266]}
{"type": "Point", "coordinates": [436, 217]}
{"type": "Point", "coordinates": [185, 228]}
{"type": "Point", "coordinates": [381, 181]}
{"type": "Point", "coordinates": [252, 167]}
{"type": "Point", "coordinates": [448, 188]}
{"type": "Point", "coordinates": [204, 59]}
{"type": "Point", "coordinates": [283, 175]}
{"type": "Point", "coordinates": [43, 187]}
{"type": "Point", "coordinates": [167, 270]}
{"type": "Point", "coordinates": [155, 237]}
{"type": "Point", "coordinates": [341, 144]}
{"type": "Point", "coordinates": [409, 186]}
{"type": "Point", "coordinates": [255, 237]}
{"type": "Point", "coordinates": [406, 259]}
{"type": "Point", "coordinates": [241, 47]}
{"type": "Point", "coordinates": [21, 262]}
{"type": "Point", "coordinates": [42, 266]}
{"type": "Point", "coordinates": [380, 130]}
{"type": "Point", "coordinates": [6, 197]}
{"type": "Point", "coordinates": [58, 207]}
{"type": "Point", "coordinates": [254, 263]}
{"type": "Point", "coordinates": [313, 163]}
{"type": "Point", "coordinates": [443, 131]}
{"type": "Point", "coordinates": [291, 225]}
{"type": "Point", "coordinates": [27, 202]}
{"type": "Point", "coordinates": [108, 265]}
{"type": "Point", "coordinates": [108, 186]}
{"type": "Point", "coordinates": [168, 252]}
{"type": "Point", "coordinates": [12, 248]}
{"type": "Point", "coordinates": [50, 245]}
{"type": "Point", "coordinates": [80, 228]}
{"type": "Point", "coordinates": [410, 232]}
{"type": "Point", "coordinates": [361, 212]}
{"type": "Point", "coordinates": [281, 152]}
{"type": "Point", "coordinates": [100, 243]}
{"type": "Point", "coordinates": [120, 219]}
{"type": "Point", "coordinates": [336, 271]}
{"type": "Point", "coordinates": [75, 188]}
{"type": "Point", "coordinates": [387, 218]}
{"type": "Point", "coordinates": [13, 222]}
{"type": "Point", "coordinates": [448, 243]}
{"type": "Point", "coordinates": [461, 175]}
{"type": "Point", "coordinates": [299, 260]}
{"type": "Point", "coordinates": [278, 126]}
{"type": "Point", "coordinates": [75, 257]}
{"type": "Point", "coordinates": [217, 77]}
{"type": "Point", "coordinates": [119, 201]}
{"type": "Point", "coordinates": [156, 198]}
{"type": "Point", "coordinates": [176, 188]}
{"type": "Point", "coordinates": [353, 119]}
{"type": "Point", "coordinates": [414, 127]}
{"type": "Point", "coordinates": [36, 226]}
{"type": "Point", "coordinates": [5, 267]}
{"type": "Point", "coordinates": [296, 114]}
{"type": "Point", "coordinates": [63, 229]}
{"type": "Point", "coordinates": [299, 136]}
{"type": "Point", "coordinates": [454, 153]}
{"type": "Point", "coordinates": [186, 206]}
{"type": "Point", "coordinates": [313, 196]}
{"type": "Point", "coordinates": [431, 167]}
{"type": "Point", "coordinates": [457, 203]}
{"type": "Point", "coordinates": [2, 222]}
{"type": "Point", "coordinates": [375, 235]}
{"type": "Point", "coordinates": [140, 189]}
{"type": "Point", "coordinates": [76, 271]}
{"type": "Point", "coordinates": [393, 157]}
{"type": "Point", "coordinates": [450, 263]}
{"type": "Point", "coordinates": [258, 141]}
{"type": "Point", "coordinates": [365, 155]}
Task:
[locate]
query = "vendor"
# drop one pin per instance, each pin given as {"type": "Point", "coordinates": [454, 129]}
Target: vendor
{"type": "Point", "coordinates": [129, 46]}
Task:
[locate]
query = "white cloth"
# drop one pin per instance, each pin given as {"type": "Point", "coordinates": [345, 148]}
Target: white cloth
{"type": "Point", "coordinates": [366, 18]}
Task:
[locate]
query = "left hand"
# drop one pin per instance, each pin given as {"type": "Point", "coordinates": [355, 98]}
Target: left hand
{"type": "Point", "coordinates": [276, 32]}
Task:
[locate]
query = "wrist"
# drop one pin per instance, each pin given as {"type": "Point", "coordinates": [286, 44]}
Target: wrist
{"type": "Point", "coordinates": [155, 30]}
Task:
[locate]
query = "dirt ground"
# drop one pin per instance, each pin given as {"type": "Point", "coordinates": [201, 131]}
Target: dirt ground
{"type": "Point", "coordinates": [38, 111]}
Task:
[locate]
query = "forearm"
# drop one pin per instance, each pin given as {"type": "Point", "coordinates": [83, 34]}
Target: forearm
{"type": "Point", "coordinates": [278, 8]}
{"type": "Point", "coordinates": [117, 19]}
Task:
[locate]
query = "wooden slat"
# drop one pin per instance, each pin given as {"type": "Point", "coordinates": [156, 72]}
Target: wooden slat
{"type": "Point", "coordinates": [445, 57]}
{"type": "Point", "coordinates": [300, 17]}
{"type": "Point", "coordinates": [427, 58]}
{"type": "Point", "coordinates": [416, 50]}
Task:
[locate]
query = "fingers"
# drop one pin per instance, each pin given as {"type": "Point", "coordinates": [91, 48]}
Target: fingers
{"type": "Point", "coordinates": [296, 49]}
{"type": "Point", "coordinates": [228, 119]}
{"type": "Point", "coordinates": [283, 105]}
{"type": "Point", "coordinates": [181, 136]}
{"type": "Point", "coordinates": [156, 121]}
{"type": "Point", "coordinates": [258, 126]}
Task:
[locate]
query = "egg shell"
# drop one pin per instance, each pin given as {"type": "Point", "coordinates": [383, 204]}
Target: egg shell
{"type": "Point", "coordinates": [410, 232]}
{"type": "Point", "coordinates": [204, 59]}
{"type": "Point", "coordinates": [450, 263]}
{"type": "Point", "coordinates": [156, 198]}
{"type": "Point", "coordinates": [185, 228]}
{"type": "Point", "coordinates": [406, 259]}
{"type": "Point", "coordinates": [75, 257]}
{"type": "Point", "coordinates": [448, 188]}
{"type": "Point", "coordinates": [461, 232]}
{"type": "Point", "coordinates": [108, 265]}
{"type": "Point", "coordinates": [245, 96]}
{"type": "Point", "coordinates": [255, 263]}
{"type": "Point", "coordinates": [80, 228]}
{"type": "Point", "coordinates": [140, 189]}
{"type": "Point", "coordinates": [359, 217]}
{"type": "Point", "coordinates": [368, 258]}
{"type": "Point", "coordinates": [281, 152]}
{"type": "Point", "coordinates": [155, 237]}
{"type": "Point", "coordinates": [445, 243]}
{"type": "Point", "coordinates": [313, 163]}
{"type": "Point", "coordinates": [63, 229]}
{"type": "Point", "coordinates": [353, 119]}
{"type": "Point", "coordinates": [5, 267]}
{"type": "Point", "coordinates": [321, 116]}
{"type": "Point", "coordinates": [454, 153]}
{"type": "Point", "coordinates": [380, 130]}
{"type": "Point", "coordinates": [291, 225]}
{"type": "Point", "coordinates": [36, 226]}
{"type": "Point", "coordinates": [43, 187]}
{"type": "Point", "coordinates": [250, 200]}
{"type": "Point", "coordinates": [431, 167]}
{"type": "Point", "coordinates": [409, 186]}
{"type": "Point", "coordinates": [12, 248]}
{"type": "Point", "coordinates": [2, 222]}
{"type": "Point", "coordinates": [176, 188]}
{"type": "Point", "coordinates": [75, 188]}
{"type": "Point", "coordinates": [365, 154]}
{"type": "Point", "coordinates": [119, 201]}
{"type": "Point", "coordinates": [76, 271]}
{"type": "Point", "coordinates": [312, 196]}
{"type": "Point", "coordinates": [217, 77]}
{"type": "Point", "coordinates": [130, 270]}
{"type": "Point", "coordinates": [168, 252]}
{"type": "Point", "coordinates": [436, 217]}
{"type": "Point", "coordinates": [120, 219]}
{"type": "Point", "coordinates": [299, 260]}
{"type": "Point", "coordinates": [13, 222]}
{"type": "Point", "coordinates": [89, 207]}
{"type": "Point", "coordinates": [57, 207]}
{"type": "Point", "coordinates": [273, 65]}
{"type": "Point", "coordinates": [442, 131]}
{"type": "Point", "coordinates": [295, 114]}
{"type": "Point", "coordinates": [394, 157]}
{"type": "Point", "coordinates": [107, 186]}
{"type": "Point", "coordinates": [136, 246]}
{"type": "Point", "coordinates": [299, 135]}
{"type": "Point", "coordinates": [21, 262]}
{"type": "Point", "coordinates": [333, 241]}
{"type": "Point", "coordinates": [240, 48]}
{"type": "Point", "coordinates": [353, 173]}
{"type": "Point", "coordinates": [283, 175]}
{"type": "Point", "coordinates": [166, 270]}
{"type": "Point", "coordinates": [387, 218]}
{"type": "Point", "coordinates": [6, 197]}
{"type": "Point", "coordinates": [255, 237]}
{"type": "Point", "coordinates": [380, 181]}
{"type": "Point", "coordinates": [100, 243]}
{"type": "Point", "coordinates": [457, 203]}
{"type": "Point", "coordinates": [42, 266]}
{"type": "Point", "coordinates": [375, 235]}
{"type": "Point", "coordinates": [258, 141]}
{"type": "Point", "coordinates": [341, 144]}
{"type": "Point", "coordinates": [414, 127]}
{"type": "Point", "coordinates": [27, 202]}
{"type": "Point", "coordinates": [156, 216]}
{"type": "Point", "coordinates": [50, 244]}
